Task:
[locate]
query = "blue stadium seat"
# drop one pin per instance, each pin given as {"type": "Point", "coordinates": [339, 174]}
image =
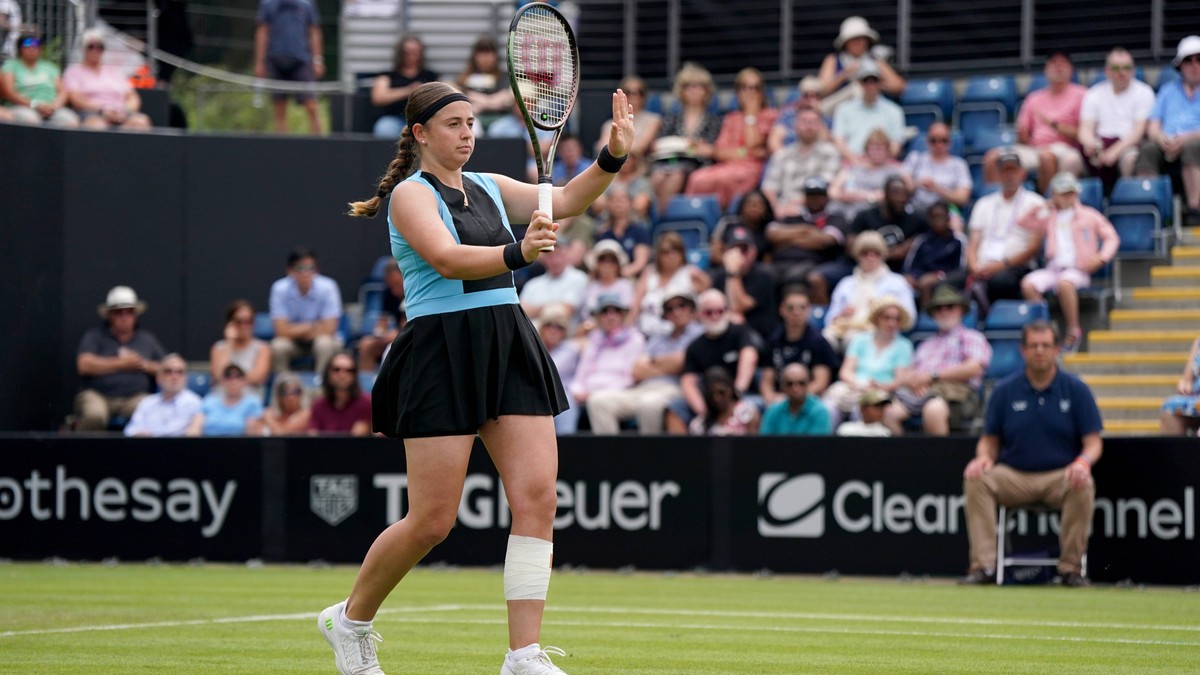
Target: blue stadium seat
{"type": "Point", "coordinates": [310, 379]}
{"type": "Point", "coordinates": [694, 233]}
{"type": "Point", "coordinates": [263, 328]}
{"type": "Point", "coordinates": [816, 316]}
{"type": "Point", "coordinates": [1167, 75]}
{"type": "Point", "coordinates": [1010, 315]}
{"type": "Point", "coordinates": [931, 96]}
{"type": "Point", "coordinates": [654, 102]}
{"type": "Point", "coordinates": [1138, 208]}
{"type": "Point", "coordinates": [1006, 358]}
{"type": "Point", "coordinates": [1000, 89]}
{"type": "Point", "coordinates": [983, 139]}
{"type": "Point", "coordinates": [704, 208]}
{"type": "Point", "coordinates": [200, 382]}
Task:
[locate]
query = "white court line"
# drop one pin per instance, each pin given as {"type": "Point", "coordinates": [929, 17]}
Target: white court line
{"type": "Point", "coordinates": [404, 613]}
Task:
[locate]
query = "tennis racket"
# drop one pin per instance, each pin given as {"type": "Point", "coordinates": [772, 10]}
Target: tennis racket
{"type": "Point", "coordinates": [543, 69]}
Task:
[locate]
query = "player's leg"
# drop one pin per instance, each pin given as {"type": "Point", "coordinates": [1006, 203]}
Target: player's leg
{"type": "Point", "coordinates": [436, 468]}
{"type": "Point", "coordinates": [525, 451]}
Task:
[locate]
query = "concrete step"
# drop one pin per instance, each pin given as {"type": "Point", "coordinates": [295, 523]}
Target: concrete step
{"type": "Point", "coordinates": [1129, 407]}
{"type": "Point", "coordinates": [1128, 427]}
{"type": "Point", "coordinates": [1175, 341]}
{"type": "Point", "coordinates": [1163, 298]}
{"type": "Point", "coordinates": [1125, 363]}
{"type": "Point", "coordinates": [1191, 235]}
{"type": "Point", "coordinates": [1172, 277]}
{"type": "Point", "coordinates": [1131, 385]}
{"type": "Point", "coordinates": [1155, 319]}
{"type": "Point", "coordinates": [1185, 256]}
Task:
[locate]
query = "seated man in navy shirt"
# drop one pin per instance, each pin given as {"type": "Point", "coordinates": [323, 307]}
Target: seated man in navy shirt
{"type": "Point", "coordinates": [796, 342]}
{"type": "Point", "coordinates": [1040, 440]}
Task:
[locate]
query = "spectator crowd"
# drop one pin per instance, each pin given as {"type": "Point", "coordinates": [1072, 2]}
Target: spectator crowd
{"type": "Point", "coordinates": [788, 307]}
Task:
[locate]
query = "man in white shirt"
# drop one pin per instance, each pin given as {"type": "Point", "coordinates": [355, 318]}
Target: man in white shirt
{"type": "Point", "coordinates": [854, 120]}
{"type": "Point", "coordinates": [998, 250]}
{"type": "Point", "coordinates": [560, 285]}
{"type": "Point", "coordinates": [1113, 119]}
{"type": "Point", "coordinates": [168, 412]}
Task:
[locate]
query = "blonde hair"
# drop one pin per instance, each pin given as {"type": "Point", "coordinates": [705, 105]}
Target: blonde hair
{"type": "Point", "coordinates": [408, 153]}
{"type": "Point", "coordinates": [878, 136]}
{"type": "Point", "coordinates": [693, 72]}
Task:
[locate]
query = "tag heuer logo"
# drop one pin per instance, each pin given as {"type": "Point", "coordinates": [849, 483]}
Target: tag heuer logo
{"type": "Point", "coordinates": [333, 498]}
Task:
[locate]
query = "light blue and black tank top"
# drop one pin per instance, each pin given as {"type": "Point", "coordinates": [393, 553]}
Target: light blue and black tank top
{"type": "Point", "coordinates": [479, 220]}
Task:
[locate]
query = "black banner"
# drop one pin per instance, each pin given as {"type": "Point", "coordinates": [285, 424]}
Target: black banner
{"type": "Point", "coordinates": [130, 498]}
{"type": "Point", "coordinates": [808, 505]}
{"type": "Point", "coordinates": [619, 503]}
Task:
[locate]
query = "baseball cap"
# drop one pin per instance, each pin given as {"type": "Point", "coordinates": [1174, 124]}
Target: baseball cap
{"type": "Point", "coordinates": [610, 300]}
{"type": "Point", "coordinates": [1008, 156]}
{"type": "Point", "coordinates": [1063, 182]}
{"type": "Point", "coordinates": [874, 397]}
{"type": "Point", "coordinates": [1188, 46]}
{"type": "Point", "coordinates": [816, 185]}
{"type": "Point", "coordinates": [867, 68]}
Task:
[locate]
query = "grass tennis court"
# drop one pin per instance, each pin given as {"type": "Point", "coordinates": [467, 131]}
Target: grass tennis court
{"type": "Point", "coordinates": [134, 618]}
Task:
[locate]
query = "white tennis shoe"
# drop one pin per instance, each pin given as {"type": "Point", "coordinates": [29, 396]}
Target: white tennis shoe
{"type": "Point", "coordinates": [536, 662]}
{"type": "Point", "coordinates": [353, 648]}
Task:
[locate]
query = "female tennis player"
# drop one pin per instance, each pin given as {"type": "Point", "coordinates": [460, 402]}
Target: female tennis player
{"type": "Point", "coordinates": [468, 362]}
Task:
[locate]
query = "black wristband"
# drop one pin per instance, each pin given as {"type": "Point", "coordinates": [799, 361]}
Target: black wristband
{"type": "Point", "coordinates": [608, 163]}
{"type": "Point", "coordinates": [513, 258]}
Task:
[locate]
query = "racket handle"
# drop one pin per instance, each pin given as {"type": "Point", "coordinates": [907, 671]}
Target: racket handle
{"type": "Point", "coordinates": [546, 201]}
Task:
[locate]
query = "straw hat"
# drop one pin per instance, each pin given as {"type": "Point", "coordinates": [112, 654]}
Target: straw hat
{"type": "Point", "coordinates": [878, 305]}
{"type": "Point", "coordinates": [121, 297]}
{"type": "Point", "coordinates": [854, 27]}
{"type": "Point", "coordinates": [609, 246]}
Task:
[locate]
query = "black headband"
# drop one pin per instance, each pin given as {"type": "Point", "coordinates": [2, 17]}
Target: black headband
{"type": "Point", "coordinates": [437, 105]}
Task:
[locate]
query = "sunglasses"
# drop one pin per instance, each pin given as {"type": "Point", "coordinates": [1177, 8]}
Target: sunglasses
{"type": "Point", "coordinates": [712, 312]}
{"type": "Point", "coordinates": [612, 310]}
{"type": "Point", "coordinates": [795, 383]}
{"type": "Point", "coordinates": [95, 47]}
{"type": "Point", "coordinates": [30, 42]}
{"type": "Point", "coordinates": [305, 268]}
{"type": "Point", "coordinates": [172, 371]}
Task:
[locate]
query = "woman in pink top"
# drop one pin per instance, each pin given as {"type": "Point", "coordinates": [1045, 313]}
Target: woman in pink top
{"type": "Point", "coordinates": [1079, 241]}
{"type": "Point", "coordinates": [102, 95]}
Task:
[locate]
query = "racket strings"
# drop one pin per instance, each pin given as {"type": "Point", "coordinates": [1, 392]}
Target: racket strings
{"type": "Point", "coordinates": [544, 66]}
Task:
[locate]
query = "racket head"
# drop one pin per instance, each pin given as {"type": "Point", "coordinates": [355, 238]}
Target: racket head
{"type": "Point", "coordinates": [543, 66]}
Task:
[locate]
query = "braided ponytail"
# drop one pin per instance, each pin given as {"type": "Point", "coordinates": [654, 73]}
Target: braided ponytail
{"type": "Point", "coordinates": [399, 169]}
{"type": "Point", "coordinates": [407, 150]}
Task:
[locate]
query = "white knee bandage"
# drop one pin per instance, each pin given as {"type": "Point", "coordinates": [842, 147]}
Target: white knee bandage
{"type": "Point", "coordinates": [527, 568]}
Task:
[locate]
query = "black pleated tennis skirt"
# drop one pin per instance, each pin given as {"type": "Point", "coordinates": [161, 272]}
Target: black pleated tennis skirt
{"type": "Point", "coordinates": [447, 374]}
